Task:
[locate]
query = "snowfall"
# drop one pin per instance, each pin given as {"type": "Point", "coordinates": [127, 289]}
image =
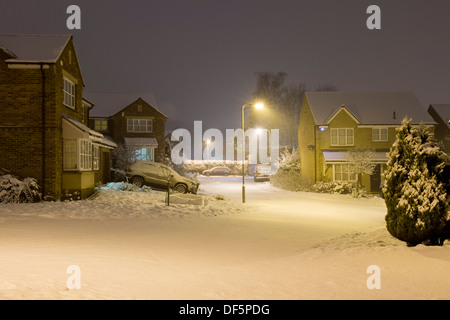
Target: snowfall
{"type": "Point", "coordinates": [278, 245]}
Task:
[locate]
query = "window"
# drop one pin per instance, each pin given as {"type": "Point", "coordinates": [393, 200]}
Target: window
{"type": "Point", "coordinates": [86, 154]}
{"type": "Point", "coordinates": [141, 154]}
{"type": "Point", "coordinates": [342, 137]}
{"type": "Point", "coordinates": [139, 125]}
{"type": "Point", "coordinates": [77, 155]}
{"type": "Point", "coordinates": [69, 93]}
{"type": "Point", "coordinates": [341, 173]}
{"type": "Point", "coordinates": [101, 125]}
{"type": "Point", "coordinates": [96, 158]}
{"type": "Point", "coordinates": [379, 134]}
{"type": "Point", "coordinates": [70, 154]}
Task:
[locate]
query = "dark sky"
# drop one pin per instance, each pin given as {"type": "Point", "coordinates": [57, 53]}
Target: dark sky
{"type": "Point", "coordinates": [199, 57]}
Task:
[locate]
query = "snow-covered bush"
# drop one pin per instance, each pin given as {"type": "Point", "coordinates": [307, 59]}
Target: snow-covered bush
{"type": "Point", "coordinates": [13, 190]}
{"type": "Point", "coordinates": [333, 187]}
{"type": "Point", "coordinates": [415, 190]}
{"type": "Point", "coordinates": [288, 174]}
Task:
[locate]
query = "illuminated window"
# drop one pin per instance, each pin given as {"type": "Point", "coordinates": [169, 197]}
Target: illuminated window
{"type": "Point", "coordinates": [96, 158]}
{"type": "Point", "coordinates": [101, 125]}
{"type": "Point", "coordinates": [142, 154]}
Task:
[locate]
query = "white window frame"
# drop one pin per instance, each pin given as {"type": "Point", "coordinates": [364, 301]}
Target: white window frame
{"type": "Point", "coordinates": [140, 125]}
{"type": "Point", "coordinates": [83, 155]}
{"type": "Point", "coordinates": [377, 134]}
{"type": "Point", "coordinates": [344, 137]}
{"type": "Point", "coordinates": [69, 88]}
{"type": "Point", "coordinates": [349, 177]}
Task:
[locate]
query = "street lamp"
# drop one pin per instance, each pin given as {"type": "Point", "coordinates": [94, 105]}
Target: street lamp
{"type": "Point", "coordinates": [256, 106]}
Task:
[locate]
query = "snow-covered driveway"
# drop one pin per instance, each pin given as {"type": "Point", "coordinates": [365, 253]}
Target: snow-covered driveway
{"type": "Point", "coordinates": [279, 245]}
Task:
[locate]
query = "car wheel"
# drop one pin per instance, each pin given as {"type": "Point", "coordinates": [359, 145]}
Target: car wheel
{"type": "Point", "coordinates": [137, 181]}
{"type": "Point", "coordinates": [180, 188]}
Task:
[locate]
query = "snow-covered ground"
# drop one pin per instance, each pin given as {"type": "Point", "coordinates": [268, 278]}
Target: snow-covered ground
{"type": "Point", "coordinates": [279, 245]}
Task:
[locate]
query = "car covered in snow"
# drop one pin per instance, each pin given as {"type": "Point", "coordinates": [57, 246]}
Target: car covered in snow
{"type": "Point", "coordinates": [157, 175]}
{"type": "Point", "coordinates": [217, 171]}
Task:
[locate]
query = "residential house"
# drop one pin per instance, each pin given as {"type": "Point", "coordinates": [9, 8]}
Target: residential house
{"type": "Point", "coordinates": [331, 123]}
{"type": "Point", "coordinates": [43, 127]}
{"type": "Point", "coordinates": [139, 126]}
{"type": "Point", "coordinates": [441, 114]}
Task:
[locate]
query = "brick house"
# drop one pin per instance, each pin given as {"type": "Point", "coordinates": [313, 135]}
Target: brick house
{"type": "Point", "coordinates": [333, 122]}
{"type": "Point", "coordinates": [139, 126]}
{"type": "Point", "coordinates": [43, 127]}
{"type": "Point", "coordinates": [441, 114]}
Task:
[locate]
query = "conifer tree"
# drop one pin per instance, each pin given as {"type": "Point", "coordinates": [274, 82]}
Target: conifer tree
{"type": "Point", "coordinates": [415, 189]}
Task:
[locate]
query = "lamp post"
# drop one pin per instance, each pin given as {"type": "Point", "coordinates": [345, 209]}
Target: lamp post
{"type": "Point", "coordinates": [257, 106]}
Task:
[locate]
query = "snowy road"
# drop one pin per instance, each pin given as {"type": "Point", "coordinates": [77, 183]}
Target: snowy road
{"type": "Point", "coordinates": [279, 245]}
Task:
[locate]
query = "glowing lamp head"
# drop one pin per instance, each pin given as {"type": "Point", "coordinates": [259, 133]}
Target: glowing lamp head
{"type": "Point", "coordinates": [259, 105]}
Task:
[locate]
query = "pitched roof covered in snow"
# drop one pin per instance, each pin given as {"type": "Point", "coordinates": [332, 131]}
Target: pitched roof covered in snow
{"type": "Point", "coordinates": [109, 103]}
{"type": "Point", "coordinates": [33, 48]}
{"type": "Point", "coordinates": [443, 111]}
{"type": "Point", "coordinates": [368, 108]}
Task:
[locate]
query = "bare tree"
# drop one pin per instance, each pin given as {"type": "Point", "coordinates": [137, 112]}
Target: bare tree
{"type": "Point", "coordinates": [359, 163]}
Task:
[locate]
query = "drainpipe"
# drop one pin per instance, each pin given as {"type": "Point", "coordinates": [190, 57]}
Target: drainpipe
{"type": "Point", "coordinates": [43, 129]}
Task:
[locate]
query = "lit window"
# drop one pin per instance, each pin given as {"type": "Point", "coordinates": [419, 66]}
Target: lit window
{"type": "Point", "coordinates": [69, 93]}
{"type": "Point", "coordinates": [379, 134]}
{"type": "Point", "coordinates": [101, 125]}
{"type": "Point", "coordinates": [70, 154]}
{"type": "Point", "coordinates": [139, 125]}
{"type": "Point", "coordinates": [96, 158]}
{"type": "Point", "coordinates": [141, 154]}
{"type": "Point", "coordinates": [342, 137]}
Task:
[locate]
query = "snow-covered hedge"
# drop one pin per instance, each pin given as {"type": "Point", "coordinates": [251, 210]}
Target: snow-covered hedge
{"type": "Point", "coordinates": [13, 190]}
{"type": "Point", "coordinates": [333, 187]}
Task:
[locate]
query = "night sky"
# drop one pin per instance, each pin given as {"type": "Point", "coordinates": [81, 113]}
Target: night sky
{"type": "Point", "coordinates": [199, 57]}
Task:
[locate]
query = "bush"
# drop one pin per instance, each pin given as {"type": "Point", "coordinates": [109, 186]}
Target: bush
{"type": "Point", "coordinates": [288, 175]}
{"type": "Point", "coordinates": [333, 187]}
{"type": "Point", "coordinates": [13, 190]}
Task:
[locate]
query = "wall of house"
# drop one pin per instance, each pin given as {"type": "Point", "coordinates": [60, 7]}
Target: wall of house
{"type": "Point", "coordinates": [21, 121]}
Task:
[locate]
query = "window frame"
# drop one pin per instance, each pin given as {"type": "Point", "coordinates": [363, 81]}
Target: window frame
{"type": "Point", "coordinates": [103, 125]}
{"type": "Point", "coordinates": [83, 155]}
{"type": "Point", "coordinates": [379, 135]}
{"type": "Point", "coordinates": [343, 172]}
{"type": "Point", "coordinates": [345, 137]}
{"type": "Point", "coordinates": [136, 127]}
{"type": "Point", "coordinates": [69, 98]}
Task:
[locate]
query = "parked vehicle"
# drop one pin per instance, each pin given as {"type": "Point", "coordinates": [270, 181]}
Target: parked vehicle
{"type": "Point", "coordinates": [217, 171]}
{"type": "Point", "coordinates": [156, 175]}
{"type": "Point", "coordinates": [262, 173]}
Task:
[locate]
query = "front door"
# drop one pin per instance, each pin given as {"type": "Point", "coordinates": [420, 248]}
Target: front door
{"type": "Point", "coordinates": [375, 179]}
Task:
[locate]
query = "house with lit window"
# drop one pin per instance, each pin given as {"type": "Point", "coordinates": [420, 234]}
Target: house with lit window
{"type": "Point", "coordinates": [139, 126]}
{"type": "Point", "coordinates": [331, 123]}
{"type": "Point", "coordinates": [441, 114]}
{"type": "Point", "coordinates": [44, 131]}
